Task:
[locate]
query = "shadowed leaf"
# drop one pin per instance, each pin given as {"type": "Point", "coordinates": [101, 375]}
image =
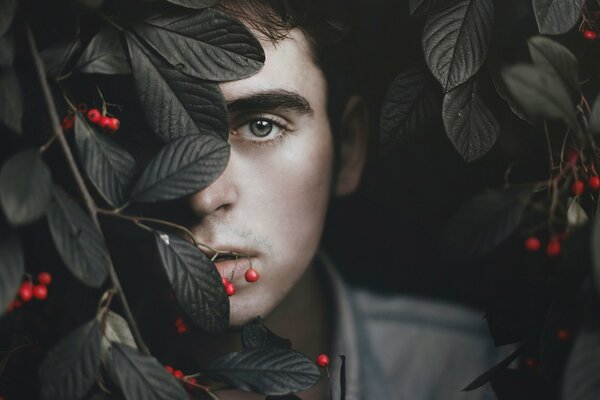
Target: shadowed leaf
{"type": "Point", "coordinates": [25, 187]}
{"type": "Point", "coordinates": [69, 369]}
{"type": "Point", "coordinates": [256, 334]}
{"type": "Point", "coordinates": [555, 17]}
{"type": "Point", "coordinates": [104, 55]}
{"type": "Point", "coordinates": [12, 268]}
{"type": "Point", "coordinates": [11, 100]}
{"type": "Point", "coordinates": [7, 13]}
{"type": "Point", "coordinates": [196, 4]}
{"type": "Point", "coordinates": [77, 240]}
{"type": "Point", "coordinates": [266, 370]}
{"type": "Point", "coordinates": [7, 51]}
{"type": "Point", "coordinates": [581, 379]}
{"type": "Point", "coordinates": [426, 7]}
{"type": "Point", "coordinates": [594, 125]}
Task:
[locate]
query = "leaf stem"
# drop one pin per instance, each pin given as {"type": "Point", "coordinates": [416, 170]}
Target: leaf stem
{"type": "Point", "coordinates": [89, 202]}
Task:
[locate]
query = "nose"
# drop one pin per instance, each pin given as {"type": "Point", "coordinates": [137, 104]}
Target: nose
{"type": "Point", "coordinates": [219, 196]}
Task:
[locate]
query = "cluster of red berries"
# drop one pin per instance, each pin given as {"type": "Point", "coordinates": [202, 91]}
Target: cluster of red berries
{"type": "Point", "coordinates": [553, 247]}
{"type": "Point", "coordinates": [251, 276]}
{"type": "Point", "coordinates": [229, 287]}
{"type": "Point", "coordinates": [109, 124]}
{"type": "Point", "coordinates": [589, 34]}
{"type": "Point", "coordinates": [578, 187]}
{"type": "Point", "coordinates": [180, 326]}
{"type": "Point", "coordinates": [322, 360]}
{"type": "Point", "coordinates": [177, 373]}
{"type": "Point", "coordinates": [28, 290]}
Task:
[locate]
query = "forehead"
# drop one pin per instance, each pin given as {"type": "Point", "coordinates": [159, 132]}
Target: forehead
{"type": "Point", "coordinates": [289, 66]}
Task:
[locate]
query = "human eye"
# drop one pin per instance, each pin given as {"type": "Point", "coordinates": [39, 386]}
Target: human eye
{"type": "Point", "coordinates": [262, 129]}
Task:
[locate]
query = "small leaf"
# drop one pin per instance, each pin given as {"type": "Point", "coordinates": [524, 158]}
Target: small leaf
{"type": "Point", "coordinates": [142, 377]}
{"type": "Point", "coordinates": [555, 17]}
{"type": "Point", "coordinates": [502, 91]}
{"type": "Point", "coordinates": [197, 283]}
{"type": "Point", "coordinates": [175, 104]}
{"type": "Point", "coordinates": [12, 268]}
{"type": "Point", "coordinates": [208, 44]}
{"type": "Point", "coordinates": [556, 58]}
{"type": "Point", "coordinates": [266, 370]}
{"type": "Point", "coordinates": [77, 240]}
{"type": "Point", "coordinates": [7, 51]}
{"type": "Point", "coordinates": [426, 7]}
{"type": "Point", "coordinates": [7, 13]}
{"type": "Point", "coordinates": [69, 369]}
{"type": "Point", "coordinates": [455, 41]}
{"type": "Point", "coordinates": [104, 55]}
{"type": "Point", "coordinates": [582, 375]}
{"type": "Point", "coordinates": [411, 102]}
{"type": "Point", "coordinates": [594, 124]}
{"type": "Point", "coordinates": [490, 373]}
{"type": "Point", "coordinates": [469, 123]}
{"type": "Point", "coordinates": [117, 330]}
{"type": "Point", "coordinates": [256, 335]}
{"type": "Point", "coordinates": [11, 100]}
{"type": "Point", "coordinates": [484, 222]}
{"type": "Point", "coordinates": [540, 93]}
{"type": "Point", "coordinates": [110, 168]}
{"type": "Point", "coordinates": [196, 4]}
{"type": "Point", "coordinates": [25, 187]}
{"type": "Point", "coordinates": [184, 166]}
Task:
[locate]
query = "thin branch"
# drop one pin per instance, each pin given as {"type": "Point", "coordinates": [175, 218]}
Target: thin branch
{"type": "Point", "coordinates": [89, 202]}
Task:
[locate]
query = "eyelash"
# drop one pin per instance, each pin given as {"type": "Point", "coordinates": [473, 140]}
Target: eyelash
{"type": "Point", "coordinates": [285, 130]}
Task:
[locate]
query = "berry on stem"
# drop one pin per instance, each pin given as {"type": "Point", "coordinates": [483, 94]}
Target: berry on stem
{"type": "Point", "coordinates": [104, 122]}
{"type": "Point", "coordinates": [94, 115]}
{"type": "Point", "coordinates": [322, 360]}
{"type": "Point", "coordinates": [251, 275]}
{"type": "Point", "coordinates": [230, 289]}
{"type": "Point", "coordinates": [178, 373]}
{"type": "Point", "coordinates": [113, 124]}
{"type": "Point", "coordinates": [577, 188]}
{"type": "Point", "coordinates": [553, 247]}
{"type": "Point", "coordinates": [40, 292]}
{"type": "Point", "coordinates": [594, 183]}
{"type": "Point", "coordinates": [532, 243]}
{"type": "Point", "coordinates": [44, 278]}
{"type": "Point", "coordinates": [26, 291]}
{"type": "Point", "coordinates": [169, 368]}
{"type": "Point", "coordinates": [589, 34]}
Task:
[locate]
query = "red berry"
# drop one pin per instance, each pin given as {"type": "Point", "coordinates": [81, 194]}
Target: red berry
{"type": "Point", "coordinates": [169, 368]}
{"type": "Point", "coordinates": [114, 124]}
{"type": "Point", "coordinates": [94, 115]}
{"type": "Point", "coordinates": [590, 35]}
{"type": "Point", "coordinates": [322, 360]}
{"type": "Point", "coordinates": [577, 188]}
{"type": "Point", "coordinates": [594, 183]}
{"type": "Point", "coordinates": [178, 373]}
{"type": "Point", "coordinates": [532, 243]}
{"type": "Point", "coordinates": [68, 122]}
{"type": "Point", "coordinates": [26, 291]}
{"type": "Point", "coordinates": [230, 289]}
{"type": "Point", "coordinates": [40, 292]}
{"type": "Point", "coordinates": [563, 335]}
{"type": "Point", "coordinates": [251, 275]}
{"type": "Point", "coordinates": [553, 247]}
{"type": "Point", "coordinates": [572, 156]}
{"type": "Point", "coordinates": [224, 280]}
{"type": "Point", "coordinates": [192, 380]}
{"type": "Point", "coordinates": [104, 122]}
{"type": "Point", "coordinates": [45, 278]}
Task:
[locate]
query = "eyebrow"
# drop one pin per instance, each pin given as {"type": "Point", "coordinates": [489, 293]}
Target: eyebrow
{"type": "Point", "coordinates": [271, 100]}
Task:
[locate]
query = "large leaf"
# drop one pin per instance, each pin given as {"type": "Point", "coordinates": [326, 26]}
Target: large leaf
{"type": "Point", "coordinates": [455, 41]}
{"type": "Point", "coordinates": [142, 377]}
{"type": "Point", "coordinates": [208, 44]}
{"type": "Point", "coordinates": [582, 375]}
{"type": "Point", "coordinates": [104, 55]}
{"type": "Point", "coordinates": [175, 104]}
{"type": "Point", "coordinates": [7, 13]}
{"type": "Point", "coordinates": [196, 4]}
{"type": "Point", "coordinates": [256, 335]}
{"type": "Point", "coordinates": [197, 283]}
{"type": "Point", "coordinates": [12, 268]}
{"type": "Point", "coordinates": [25, 187]}
{"type": "Point", "coordinates": [109, 167]}
{"type": "Point", "coordinates": [556, 58]}
{"type": "Point", "coordinates": [7, 51]}
{"type": "Point", "coordinates": [184, 166]}
{"type": "Point", "coordinates": [557, 16]}
{"type": "Point", "coordinates": [484, 222]}
{"type": "Point", "coordinates": [77, 240]}
{"type": "Point", "coordinates": [11, 100]}
{"type": "Point", "coordinates": [594, 123]}
{"type": "Point", "coordinates": [411, 103]}
{"type": "Point", "coordinates": [266, 370]}
{"type": "Point", "coordinates": [540, 93]}
{"type": "Point", "coordinates": [426, 7]}
{"type": "Point", "coordinates": [469, 122]}
{"type": "Point", "coordinates": [69, 369]}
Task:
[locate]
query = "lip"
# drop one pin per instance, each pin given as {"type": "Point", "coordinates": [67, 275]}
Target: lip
{"type": "Point", "coordinates": [234, 268]}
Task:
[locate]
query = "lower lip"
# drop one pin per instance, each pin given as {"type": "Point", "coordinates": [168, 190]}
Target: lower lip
{"type": "Point", "coordinates": [232, 269]}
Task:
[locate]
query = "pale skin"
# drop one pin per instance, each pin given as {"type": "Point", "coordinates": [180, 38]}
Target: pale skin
{"type": "Point", "coordinates": [270, 202]}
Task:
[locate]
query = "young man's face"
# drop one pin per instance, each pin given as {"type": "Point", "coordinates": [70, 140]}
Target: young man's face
{"type": "Point", "coordinates": [270, 202]}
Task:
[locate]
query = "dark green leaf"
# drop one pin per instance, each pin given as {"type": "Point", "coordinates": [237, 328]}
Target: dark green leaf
{"type": "Point", "coordinates": [7, 13]}
{"type": "Point", "coordinates": [110, 168]}
{"type": "Point", "coordinates": [455, 41]}
{"type": "Point", "coordinates": [502, 91]}
{"type": "Point", "coordinates": [117, 330]}
{"type": "Point", "coordinates": [266, 370]}
{"type": "Point", "coordinates": [555, 17]}
{"type": "Point", "coordinates": [60, 55]}
{"type": "Point", "coordinates": [69, 369]}
{"type": "Point", "coordinates": [104, 55]}
{"type": "Point", "coordinates": [540, 93]}
{"type": "Point", "coordinates": [582, 375]}
{"type": "Point", "coordinates": [12, 268]}
{"type": "Point", "coordinates": [207, 44]}
{"type": "Point", "coordinates": [484, 222]}
{"type": "Point", "coordinates": [77, 240]}
{"type": "Point", "coordinates": [426, 7]}
{"type": "Point", "coordinates": [556, 58]}
{"type": "Point", "coordinates": [490, 373]}
{"type": "Point", "coordinates": [196, 282]}
{"type": "Point", "coordinates": [411, 102]}
{"type": "Point", "coordinates": [142, 377]}
{"type": "Point", "coordinates": [25, 187]}
{"type": "Point", "coordinates": [256, 334]}
{"type": "Point", "coordinates": [11, 100]}
{"type": "Point", "coordinates": [469, 123]}
{"type": "Point", "coordinates": [7, 51]}
{"type": "Point", "coordinates": [594, 124]}
{"type": "Point", "coordinates": [184, 166]}
{"type": "Point", "coordinates": [175, 104]}
{"type": "Point", "coordinates": [196, 4]}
